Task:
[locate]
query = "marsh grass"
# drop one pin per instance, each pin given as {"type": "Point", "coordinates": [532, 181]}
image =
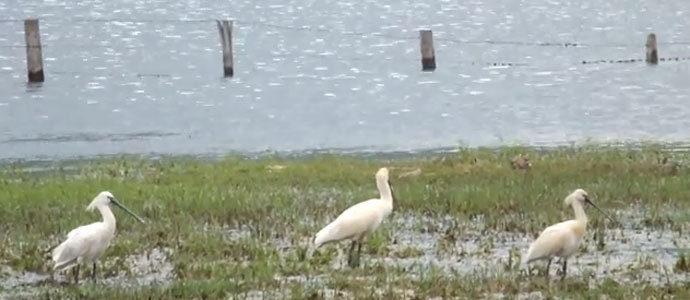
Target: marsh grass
{"type": "Point", "coordinates": [683, 263]}
{"type": "Point", "coordinates": [195, 207]}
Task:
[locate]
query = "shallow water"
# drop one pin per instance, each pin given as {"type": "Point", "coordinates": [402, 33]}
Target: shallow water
{"type": "Point", "coordinates": [11, 279]}
{"type": "Point", "coordinates": [630, 254]}
{"type": "Point", "coordinates": [150, 268]}
{"type": "Point", "coordinates": [338, 75]}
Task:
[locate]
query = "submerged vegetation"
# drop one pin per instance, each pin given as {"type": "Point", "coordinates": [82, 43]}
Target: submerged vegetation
{"type": "Point", "coordinates": [242, 228]}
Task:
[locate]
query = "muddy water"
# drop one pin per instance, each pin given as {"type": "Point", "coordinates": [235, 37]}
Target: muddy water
{"type": "Point", "coordinates": [628, 253]}
{"type": "Point", "coordinates": [11, 279]}
{"type": "Point", "coordinates": [152, 267]}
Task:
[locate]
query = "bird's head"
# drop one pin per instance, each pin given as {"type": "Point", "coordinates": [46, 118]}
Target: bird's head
{"type": "Point", "coordinates": [579, 196]}
{"type": "Point", "coordinates": [382, 174]}
{"type": "Point", "coordinates": [105, 199]}
{"type": "Point", "coordinates": [582, 198]}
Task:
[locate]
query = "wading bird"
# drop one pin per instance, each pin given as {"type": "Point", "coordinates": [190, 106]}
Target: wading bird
{"type": "Point", "coordinates": [85, 244]}
{"type": "Point", "coordinates": [563, 239]}
{"type": "Point", "coordinates": [359, 220]}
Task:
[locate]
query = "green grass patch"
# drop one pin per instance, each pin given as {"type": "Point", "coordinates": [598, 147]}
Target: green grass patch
{"type": "Point", "coordinates": [228, 222]}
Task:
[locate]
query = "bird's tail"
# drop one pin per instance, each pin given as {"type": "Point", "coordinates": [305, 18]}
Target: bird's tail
{"type": "Point", "coordinates": [318, 241]}
{"type": "Point", "coordinates": [59, 261]}
{"type": "Point", "coordinates": [56, 252]}
{"type": "Point", "coordinates": [528, 257]}
{"type": "Point", "coordinates": [322, 236]}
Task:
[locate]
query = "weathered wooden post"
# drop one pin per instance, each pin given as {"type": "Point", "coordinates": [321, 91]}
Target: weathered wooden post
{"type": "Point", "coordinates": [225, 30]}
{"type": "Point", "coordinates": [427, 49]}
{"type": "Point", "coordinates": [652, 53]}
{"type": "Point", "coordinates": [34, 57]}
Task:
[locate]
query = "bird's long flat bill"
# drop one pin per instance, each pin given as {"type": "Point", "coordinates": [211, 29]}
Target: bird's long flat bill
{"type": "Point", "coordinates": [599, 209]}
{"type": "Point", "coordinates": [127, 210]}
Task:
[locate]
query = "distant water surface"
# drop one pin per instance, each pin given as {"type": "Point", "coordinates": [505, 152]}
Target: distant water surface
{"type": "Point", "coordinates": [314, 75]}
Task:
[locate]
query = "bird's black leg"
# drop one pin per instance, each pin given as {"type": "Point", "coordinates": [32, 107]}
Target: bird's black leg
{"type": "Point", "coordinates": [351, 254]}
{"type": "Point", "coordinates": [565, 268]}
{"type": "Point", "coordinates": [359, 253]}
{"type": "Point", "coordinates": [93, 273]}
{"type": "Point", "coordinates": [76, 274]}
{"type": "Point", "coordinates": [548, 265]}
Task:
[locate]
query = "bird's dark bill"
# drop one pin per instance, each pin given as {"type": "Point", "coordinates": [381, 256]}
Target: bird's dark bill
{"type": "Point", "coordinates": [127, 210]}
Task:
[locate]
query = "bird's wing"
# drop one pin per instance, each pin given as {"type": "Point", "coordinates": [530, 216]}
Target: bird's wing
{"type": "Point", "coordinates": [358, 209]}
{"type": "Point", "coordinates": [351, 222]}
{"type": "Point", "coordinates": [78, 242]}
{"type": "Point", "coordinates": [549, 242]}
{"type": "Point", "coordinates": [78, 229]}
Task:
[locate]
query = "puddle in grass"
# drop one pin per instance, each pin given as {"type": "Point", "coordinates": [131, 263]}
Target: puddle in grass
{"type": "Point", "coordinates": [152, 267]}
{"type": "Point", "coordinates": [11, 279]}
{"type": "Point", "coordinates": [627, 254]}
{"type": "Point", "coordinates": [630, 253]}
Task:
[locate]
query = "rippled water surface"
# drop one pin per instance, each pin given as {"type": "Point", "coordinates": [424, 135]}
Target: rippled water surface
{"type": "Point", "coordinates": [339, 75]}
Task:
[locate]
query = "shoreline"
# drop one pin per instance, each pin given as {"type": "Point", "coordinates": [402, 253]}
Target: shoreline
{"type": "Point", "coordinates": [359, 152]}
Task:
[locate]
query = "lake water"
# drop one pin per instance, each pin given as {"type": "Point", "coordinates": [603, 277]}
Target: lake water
{"type": "Point", "coordinates": [342, 76]}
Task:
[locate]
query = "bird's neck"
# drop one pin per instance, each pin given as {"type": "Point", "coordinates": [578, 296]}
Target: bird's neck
{"type": "Point", "coordinates": [579, 212]}
{"type": "Point", "coordinates": [108, 217]}
{"type": "Point", "coordinates": [384, 190]}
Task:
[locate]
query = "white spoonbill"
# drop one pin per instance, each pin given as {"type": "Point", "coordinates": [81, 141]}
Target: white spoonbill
{"type": "Point", "coordinates": [563, 239]}
{"type": "Point", "coordinates": [85, 244]}
{"type": "Point", "coordinates": [360, 219]}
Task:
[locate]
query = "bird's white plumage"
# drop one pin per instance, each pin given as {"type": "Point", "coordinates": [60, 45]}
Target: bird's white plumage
{"type": "Point", "coordinates": [564, 238]}
{"type": "Point", "coordinates": [355, 222]}
{"type": "Point", "coordinates": [362, 218]}
{"type": "Point", "coordinates": [85, 244]}
{"type": "Point", "coordinates": [558, 240]}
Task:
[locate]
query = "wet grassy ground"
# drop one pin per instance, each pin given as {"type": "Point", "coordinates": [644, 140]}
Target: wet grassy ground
{"type": "Point", "coordinates": [239, 228]}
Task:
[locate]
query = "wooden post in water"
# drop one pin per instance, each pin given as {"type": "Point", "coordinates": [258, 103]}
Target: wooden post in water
{"type": "Point", "coordinates": [34, 57]}
{"type": "Point", "coordinates": [427, 49]}
{"type": "Point", "coordinates": [225, 30]}
{"type": "Point", "coordinates": [652, 53]}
